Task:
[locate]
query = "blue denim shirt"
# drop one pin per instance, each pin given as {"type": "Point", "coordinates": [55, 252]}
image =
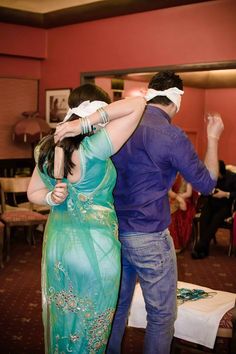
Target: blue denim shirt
{"type": "Point", "coordinates": [146, 169]}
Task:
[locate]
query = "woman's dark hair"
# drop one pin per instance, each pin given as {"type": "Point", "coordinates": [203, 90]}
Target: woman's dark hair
{"type": "Point", "coordinates": [78, 95]}
{"type": "Point", "coordinates": [163, 81]}
{"type": "Point", "coordinates": [47, 149]}
{"type": "Point", "coordinates": [87, 92]}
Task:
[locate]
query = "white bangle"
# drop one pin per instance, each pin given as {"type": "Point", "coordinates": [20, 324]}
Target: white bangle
{"type": "Point", "coordinates": [49, 200]}
{"type": "Point", "coordinates": [103, 115]}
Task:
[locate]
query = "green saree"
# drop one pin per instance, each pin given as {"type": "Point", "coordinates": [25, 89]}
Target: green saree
{"type": "Point", "coordinates": [81, 256]}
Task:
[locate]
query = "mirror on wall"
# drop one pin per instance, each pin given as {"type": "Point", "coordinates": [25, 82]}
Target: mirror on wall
{"type": "Point", "coordinates": [207, 88]}
{"type": "Point", "coordinates": [128, 82]}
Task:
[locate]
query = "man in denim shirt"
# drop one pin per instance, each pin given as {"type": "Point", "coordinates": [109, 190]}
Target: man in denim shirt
{"type": "Point", "coordinates": [147, 166]}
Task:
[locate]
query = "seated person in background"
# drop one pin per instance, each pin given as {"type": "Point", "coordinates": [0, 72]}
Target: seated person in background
{"type": "Point", "coordinates": [234, 228]}
{"type": "Point", "coordinates": [182, 206]}
{"type": "Point", "coordinates": [217, 208]}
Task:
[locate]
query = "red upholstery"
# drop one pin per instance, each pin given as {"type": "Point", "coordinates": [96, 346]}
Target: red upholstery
{"type": "Point", "coordinates": [23, 216]}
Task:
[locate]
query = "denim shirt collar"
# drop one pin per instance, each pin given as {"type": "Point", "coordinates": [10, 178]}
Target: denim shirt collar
{"type": "Point", "coordinates": [158, 112]}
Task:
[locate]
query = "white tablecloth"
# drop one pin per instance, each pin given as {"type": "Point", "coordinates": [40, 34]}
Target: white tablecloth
{"type": "Point", "coordinates": [197, 321]}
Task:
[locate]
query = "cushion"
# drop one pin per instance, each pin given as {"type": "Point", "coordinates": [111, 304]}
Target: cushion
{"type": "Point", "coordinates": [23, 215]}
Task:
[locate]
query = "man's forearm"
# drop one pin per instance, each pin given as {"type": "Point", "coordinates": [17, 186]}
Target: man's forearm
{"type": "Point", "coordinates": [211, 158]}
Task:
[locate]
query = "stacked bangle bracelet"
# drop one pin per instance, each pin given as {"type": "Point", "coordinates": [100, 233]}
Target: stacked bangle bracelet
{"type": "Point", "coordinates": [103, 115]}
{"type": "Point", "coordinates": [85, 125]}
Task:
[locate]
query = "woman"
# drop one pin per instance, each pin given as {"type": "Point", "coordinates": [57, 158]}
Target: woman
{"type": "Point", "coordinates": [183, 208]}
{"type": "Point", "coordinates": [81, 252]}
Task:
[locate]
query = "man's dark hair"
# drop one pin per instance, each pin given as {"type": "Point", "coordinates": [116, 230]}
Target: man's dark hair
{"type": "Point", "coordinates": [163, 81]}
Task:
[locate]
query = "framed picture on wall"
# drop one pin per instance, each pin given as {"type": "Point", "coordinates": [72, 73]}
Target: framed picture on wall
{"type": "Point", "coordinates": [56, 105]}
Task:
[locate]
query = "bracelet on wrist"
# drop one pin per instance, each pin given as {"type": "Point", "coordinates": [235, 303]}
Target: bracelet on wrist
{"type": "Point", "coordinates": [103, 115]}
{"type": "Point", "coordinates": [49, 200]}
{"type": "Point", "coordinates": [85, 125]}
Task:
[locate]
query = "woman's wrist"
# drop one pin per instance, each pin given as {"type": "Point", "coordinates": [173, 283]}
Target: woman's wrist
{"type": "Point", "coordinates": [49, 199]}
{"type": "Point", "coordinates": [104, 117]}
{"type": "Point", "coordinates": [85, 125]}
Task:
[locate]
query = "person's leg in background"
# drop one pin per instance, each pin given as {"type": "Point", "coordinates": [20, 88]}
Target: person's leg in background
{"type": "Point", "coordinates": [234, 231]}
{"type": "Point", "coordinates": [128, 281]}
{"type": "Point", "coordinates": [210, 221]}
{"type": "Point", "coordinates": [201, 248]}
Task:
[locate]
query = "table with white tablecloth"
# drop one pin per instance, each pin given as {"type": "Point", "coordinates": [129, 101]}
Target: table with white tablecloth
{"type": "Point", "coordinates": [197, 321]}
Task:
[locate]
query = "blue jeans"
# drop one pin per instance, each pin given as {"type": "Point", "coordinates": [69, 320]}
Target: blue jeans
{"type": "Point", "coordinates": [152, 258]}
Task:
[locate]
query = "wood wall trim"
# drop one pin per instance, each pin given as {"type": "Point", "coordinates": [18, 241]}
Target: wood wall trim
{"type": "Point", "coordinates": [88, 12]}
{"type": "Point", "coordinates": [220, 65]}
{"type": "Point", "coordinates": [21, 17]}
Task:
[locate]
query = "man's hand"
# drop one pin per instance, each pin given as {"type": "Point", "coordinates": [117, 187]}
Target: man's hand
{"type": "Point", "coordinates": [215, 126]}
{"type": "Point", "coordinates": [67, 129]}
{"type": "Point", "coordinates": [220, 194]}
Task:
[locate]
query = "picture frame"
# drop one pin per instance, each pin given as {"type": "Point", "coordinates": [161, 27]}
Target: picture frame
{"type": "Point", "coordinates": [56, 105]}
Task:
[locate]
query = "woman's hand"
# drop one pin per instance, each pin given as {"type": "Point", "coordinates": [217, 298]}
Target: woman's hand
{"type": "Point", "coordinates": [67, 129]}
{"type": "Point", "coordinates": [182, 203]}
{"type": "Point", "coordinates": [59, 193]}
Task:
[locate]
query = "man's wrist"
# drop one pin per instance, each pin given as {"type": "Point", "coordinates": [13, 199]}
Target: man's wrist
{"type": "Point", "coordinates": [213, 136]}
{"type": "Point", "coordinates": [227, 195]}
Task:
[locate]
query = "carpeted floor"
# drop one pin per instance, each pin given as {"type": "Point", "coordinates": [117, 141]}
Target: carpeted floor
{"type": "Point", "coordinates": [21, 330]}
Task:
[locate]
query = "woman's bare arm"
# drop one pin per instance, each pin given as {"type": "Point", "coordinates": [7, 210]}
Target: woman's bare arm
{"type": "Point", "coordinates": [124, 116]}
{"type": "Point", "coordinates": [37, 191]}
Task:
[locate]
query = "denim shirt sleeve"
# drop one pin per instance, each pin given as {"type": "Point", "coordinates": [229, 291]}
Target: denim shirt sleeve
{"type": "Point", "coordinates": [186, 161]}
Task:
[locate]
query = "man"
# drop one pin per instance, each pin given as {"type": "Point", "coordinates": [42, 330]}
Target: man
{"type": "Point", "coordinates": [147, 165]}
{"type": "Point", "coordinates": [216, 209]}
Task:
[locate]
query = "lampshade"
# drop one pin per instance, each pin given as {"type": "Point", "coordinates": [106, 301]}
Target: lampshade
{"type": "Point", "coordinates": [30, 129]}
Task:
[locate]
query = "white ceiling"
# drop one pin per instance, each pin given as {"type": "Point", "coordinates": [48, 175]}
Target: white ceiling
{"type": "Point", "coordinates": [43, 6]}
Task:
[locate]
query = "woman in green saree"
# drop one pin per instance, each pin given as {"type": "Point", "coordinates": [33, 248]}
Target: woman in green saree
{"type": "Point", "coordinates": [81, 251]}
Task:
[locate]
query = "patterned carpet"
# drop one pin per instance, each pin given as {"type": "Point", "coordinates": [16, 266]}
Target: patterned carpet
{"type": "Point", "coordinates": [21, 330]}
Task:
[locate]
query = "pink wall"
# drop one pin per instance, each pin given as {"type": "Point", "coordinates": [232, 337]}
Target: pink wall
{"type": "Point", "coordinates": [191, 116]}
{"type": "Point", "coordinates": [16, 67]}
{"type": "Point", "coordinates": [197, 33]}
{"type": "Point", "coordinates": [22, 49]}
{"type": "Point", "coordinates": [223, 101]}
{"type": "Point", "coordinates": [23, 41]}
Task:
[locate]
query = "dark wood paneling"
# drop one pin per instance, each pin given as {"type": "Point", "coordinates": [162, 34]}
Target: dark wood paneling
{"type": "Point", "coordinates": [21, 17]}
{"type": "Point", "coordinates": [10, 167]}
{"type": "Point", "coordinates": [88, 12]}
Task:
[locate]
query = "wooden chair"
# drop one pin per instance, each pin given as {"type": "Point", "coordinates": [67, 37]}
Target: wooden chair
{"type": "Point", "coordinates": [1, 243]}
{"type": "Point", "coordinates": [15, 216]}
